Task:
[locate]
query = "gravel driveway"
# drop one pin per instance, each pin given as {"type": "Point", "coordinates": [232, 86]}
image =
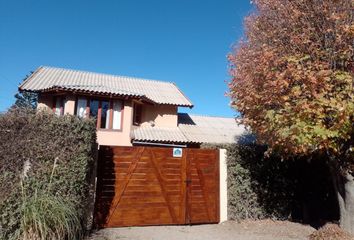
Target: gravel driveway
{"type": "Point", "coordinates": [249, 230]}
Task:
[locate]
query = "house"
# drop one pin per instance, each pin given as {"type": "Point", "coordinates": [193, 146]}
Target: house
{"type": "Point", "coordinates": [151, 170]}
{"type": "Point", "coordinates": [129, 111]}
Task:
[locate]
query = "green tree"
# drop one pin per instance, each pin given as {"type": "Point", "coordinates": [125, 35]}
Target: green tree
{"type": "Point", "coordinates": [292, 82]}
{"type": "Point", "coordinates": [26, 100]}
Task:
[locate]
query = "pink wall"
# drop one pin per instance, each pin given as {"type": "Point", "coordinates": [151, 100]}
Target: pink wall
{"type": "Point", "coordinates": [161, 115]}
{"type": "Point", "coordinates": [118, 137]}
{"type": "Point", "coordinates": [45, 102]}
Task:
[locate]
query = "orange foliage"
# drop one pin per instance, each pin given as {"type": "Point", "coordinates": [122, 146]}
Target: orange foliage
{"type": "Point", "coordinates": [292, 75]}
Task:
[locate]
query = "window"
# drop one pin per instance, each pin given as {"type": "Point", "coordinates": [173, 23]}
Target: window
{"type": "Point", "coordinates": [117, 114]}
{"type": "Point", "coordinates": [58, 106]}
{"type": "Point", "coordinates": [105, 112]}
{"type": "Point", "coordinates": [81, 107]}
{"type": "Point", "coordinates": [137, 114]}
{"type": "Point", "coordinates": [94, 108]}
{"type": "Point", "coordinates": [108, 114]}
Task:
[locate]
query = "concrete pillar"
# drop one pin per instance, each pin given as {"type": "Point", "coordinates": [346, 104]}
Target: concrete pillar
{"type": "Point", "coordinates": [223, 185]}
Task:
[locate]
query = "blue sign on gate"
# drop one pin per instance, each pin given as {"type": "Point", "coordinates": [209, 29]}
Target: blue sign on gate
{"type": "Point", "coordinates": [177, 152]}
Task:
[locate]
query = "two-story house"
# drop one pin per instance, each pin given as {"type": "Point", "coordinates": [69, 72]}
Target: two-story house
{"type": "Point", "coordinates": [144, 175]}
{"type": "Point", "coordinates": [129, 111]}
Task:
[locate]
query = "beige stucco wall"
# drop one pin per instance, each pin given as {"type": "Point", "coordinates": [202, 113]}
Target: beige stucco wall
{"type": "Point", "coordinates": [161, 115]}
{"type": "Point", "coordinates": [118, 138]}
{"type": "Point", "coordinates": [45, 102]}
{"type": "Point", "coordinates": [104, 137]}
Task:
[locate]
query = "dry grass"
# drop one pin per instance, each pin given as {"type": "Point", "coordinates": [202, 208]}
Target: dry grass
{"type": "Point", "coordinates": [47, 216]}
{"type": "Point", "coordinates": [330, 231]}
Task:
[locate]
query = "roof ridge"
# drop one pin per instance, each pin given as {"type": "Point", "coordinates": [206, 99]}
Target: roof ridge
{"type": "Point", "coordinates": [108, 74]}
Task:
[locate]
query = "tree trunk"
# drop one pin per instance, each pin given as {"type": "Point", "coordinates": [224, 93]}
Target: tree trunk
{"type": "Point", "coordinates": [344, 187]}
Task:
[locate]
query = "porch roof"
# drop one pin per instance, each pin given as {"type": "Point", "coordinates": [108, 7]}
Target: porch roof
{"type": "Point", "coordinates": [196, 129]}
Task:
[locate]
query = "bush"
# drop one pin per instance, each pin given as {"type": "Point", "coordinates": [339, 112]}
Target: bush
{"type": "Point", "coordinates": [259, 187]}
{"type": "Point", "coordinates": [47, 216]}
{"type": "Point", "coordinates": [330, 231]}
{"type": "Point", "coordinates": [262, 187]}
{"type": "Point", "coordinates": [45, 166]}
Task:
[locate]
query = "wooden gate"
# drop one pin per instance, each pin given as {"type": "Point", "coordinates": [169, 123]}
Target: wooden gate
{"type": "Point", "coordinates": [139, 186]}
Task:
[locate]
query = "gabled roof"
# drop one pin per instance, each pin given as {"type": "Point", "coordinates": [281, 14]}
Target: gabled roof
{"type": "Point", "coordinates": [197, 129]}
{"type": "Point", "coordinates": [50, 78]}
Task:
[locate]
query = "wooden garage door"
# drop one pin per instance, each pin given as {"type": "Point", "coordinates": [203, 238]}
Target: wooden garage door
{"type": "Point", "coordinates": [140, 186]}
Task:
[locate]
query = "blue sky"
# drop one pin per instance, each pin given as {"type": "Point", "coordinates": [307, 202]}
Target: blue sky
{"type": "Point", "coordinates": [182, 41]}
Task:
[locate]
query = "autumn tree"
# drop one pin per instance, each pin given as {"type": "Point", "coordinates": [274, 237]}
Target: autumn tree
{"type": "Point", "coordinates": [292, 82]}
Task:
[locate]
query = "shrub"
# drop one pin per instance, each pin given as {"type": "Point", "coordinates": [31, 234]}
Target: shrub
{"type": "Point", "coordinates": [260, 187]}
{"type": "Point", "coordinates": [268, 187]}
{"type": "Point", "coordinates": [30, 145]}
{"type": "Point", "coordinates": [47, 216]}
{"type": "Point", "coordinates": [330, 231]}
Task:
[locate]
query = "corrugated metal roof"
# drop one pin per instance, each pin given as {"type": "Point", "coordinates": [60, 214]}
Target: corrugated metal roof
{"type": "Point", "coordinates": [48, 78]}
{"type": "Point", "coordinates": [206, 129]}
{"type": "Point", "coordinates": [158, 134]}
{"type": "Point", "coordinates": [197, 129]}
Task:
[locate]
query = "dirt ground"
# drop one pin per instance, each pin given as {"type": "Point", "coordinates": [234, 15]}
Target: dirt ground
{"type": "Point", "coordinates": [248, 230]}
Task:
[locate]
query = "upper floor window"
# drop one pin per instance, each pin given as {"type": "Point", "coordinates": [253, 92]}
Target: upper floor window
{"type": "Point", "coordinates": [137, 114]}
{"type": "Point", "coordinates": [81, 107]}
{"type": "Point", "coordinates": [105, 113]}
{"type": "Point", "coordinates": [117, 107]}
{"type": "Point", "coordinates": [58, 105]}
{"type": "Point", "coordinates": [93, 109]}
{"type": "Point", "coordinates": [108, 113]}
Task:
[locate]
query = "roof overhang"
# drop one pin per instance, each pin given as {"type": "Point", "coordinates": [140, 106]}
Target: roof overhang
{"type": "Point", "coordinates": [56, 89]}
{"type": "Point", "coordinates": [49, 79]}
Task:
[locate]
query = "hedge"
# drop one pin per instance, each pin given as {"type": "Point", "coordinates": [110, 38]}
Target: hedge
{"type": "Point", "coordinates": [46, 163]}
{"type": "Point", "coordinates": [262, 186]}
